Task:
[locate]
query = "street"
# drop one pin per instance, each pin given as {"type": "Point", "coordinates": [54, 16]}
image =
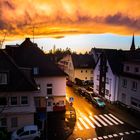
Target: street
{"type": "Point", "coordinates": [93, 123]}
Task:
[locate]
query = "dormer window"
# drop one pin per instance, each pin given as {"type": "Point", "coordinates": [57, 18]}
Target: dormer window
{"type": "Point", "coordinates": [35, 70]}
{"type": "Point", "coordinates": [136, 69]}
{"type": "Point", "coordinates": [3, 78]}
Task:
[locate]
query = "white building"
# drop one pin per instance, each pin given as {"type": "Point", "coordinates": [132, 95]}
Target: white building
{"type": "Point", "coordinates": [78, 66]}
{"type": "Point", "coordinates": [106, 75]}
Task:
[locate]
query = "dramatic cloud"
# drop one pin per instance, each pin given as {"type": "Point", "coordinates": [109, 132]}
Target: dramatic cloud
{"type": "Point", "coordinates": [57, 18]}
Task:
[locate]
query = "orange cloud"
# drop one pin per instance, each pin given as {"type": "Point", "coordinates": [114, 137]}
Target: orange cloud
{"type": "Point", "coordinates": [57, 18]}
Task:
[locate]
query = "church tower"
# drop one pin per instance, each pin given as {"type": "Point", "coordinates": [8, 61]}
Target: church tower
{"type": "Point", "coordinates": [133, 44]}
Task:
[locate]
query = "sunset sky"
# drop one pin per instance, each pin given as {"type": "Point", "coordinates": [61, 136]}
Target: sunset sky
{"type": "Point", "coordinates": [78, 24]}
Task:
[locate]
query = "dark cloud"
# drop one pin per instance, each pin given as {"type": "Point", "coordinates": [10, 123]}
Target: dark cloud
{"type": "Point", "coordinates": [8, 4]}
{"type": "Point", "coordinates": [120, 19]}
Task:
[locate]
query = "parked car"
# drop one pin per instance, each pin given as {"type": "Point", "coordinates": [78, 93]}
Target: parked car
{"type": "Point", "coordinates": [98, 102]}
{"type": "Point", "coordinates": [89, 95]}
{"type": "Point", "coordinates": [69, 83]}
{"type": "Point", "coordinates": [82, 91]}
{"type": "Point", "coordinates": [29, 132]}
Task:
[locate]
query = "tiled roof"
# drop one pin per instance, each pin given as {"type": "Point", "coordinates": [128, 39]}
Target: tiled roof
{"type": "Point", "coordinates": [30, 56]}
{"type": "Point", "coordinates": [17, 80]}
{"type": "Point", "coordinates": [83, 61]}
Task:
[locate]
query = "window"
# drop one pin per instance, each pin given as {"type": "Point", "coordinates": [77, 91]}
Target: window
{"type": "Point", "coordinates": [3, 101]}
{"type": "Point", "coordinates": [107, 80]}
{"type": "Point", "coordinates": [135, 102]}
{"type": "Point", "coordinates": [38, 87]}
{"type": "Point", "coordinates": [35, 70]}
{"type": "Point", "coordinates": [49, 89]}
{"type": "Point", "coordinates": [127, 68]}
{"type": "Point", "coordinates": [3, 122]}
{"type": "Point", "coordinates": [97, 87]}
{"type": "Point", "coordinates": [91, 71]}
{"type": "Point", "coordinates": [25, 133]}
{"type": "Point", "coordinates": [61, 103]}
{"type": "Point", "coordinates": [81, 71]}
{"type": "Point", "coordinates": [13, 101]}
{"type": "Point", "coordinates": [32, 132]}
{"type": "Point", "coordinates": [99, 67]}
{"type": "Point", "coordinates": [3, 78]}
{"type": "Point", "coordinates": [49, 103]}
{"type": "Point", "coordinates": [134, 85]}
{"type": "Point", "coordinates": [24, 100]}
{"type": "Point", "coordinates": [85, 78]}
{"type": "Point", "coordinates": [14, 122]}
{"type": "Point", "coordinates": [86, 71]}
{"type": "Point", "coordinates": [97, 77]}
{"type": "Point", "coordinates": [136, 69]}
{"type": "Point", "coordinates": [107, 92]}
{"type": "Point", "coordinates": [124, 83]}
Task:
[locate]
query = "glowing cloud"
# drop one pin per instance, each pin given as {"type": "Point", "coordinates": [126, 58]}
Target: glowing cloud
{"type": "Point", "coordinates": [57, 18]}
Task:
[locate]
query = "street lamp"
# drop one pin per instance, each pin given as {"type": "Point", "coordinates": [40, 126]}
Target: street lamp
{"type": "Point", "coordinates": [46, 124]}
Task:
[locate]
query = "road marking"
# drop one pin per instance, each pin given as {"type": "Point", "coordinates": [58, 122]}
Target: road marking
{"type": "Point", "coordinates": [95, 139]}
{"type": "Point", "coordinates": [95, 121]}
{"type": "Point", "coordinates": [116, 119]}
{"type": "Point", "coordinates": [85, 125]}
{"type": "Point", "coordinates": [127, 133]}
{"type": "Point", "coordinates": [106, 120]}
{"type": "Point", "coordinates": [133, 132]}
{"type": "Point", "coordinates": [138, 131]}
{"type": "Point", "coordinates": [89, 122]}
{"type": "Point", "coordinates": [111, 119]}
{"type": "Point", "coordinates": [115, 135]}
{"type": "Point", "coordinates": [100, 120]}
{"type": "Point", "coordinates": [105, 137]}
{"type": "Point", "coordinates": [100, 138]}
{"type": "Point", "coordinates": [110, 136]}
{"type": "Point", "coordinates": [121, 134]}
{"type": "Point", "coordinates": [79, 126]}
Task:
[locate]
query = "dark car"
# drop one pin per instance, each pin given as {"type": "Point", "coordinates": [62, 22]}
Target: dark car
{"type": "Point", "coordinates": [82, 91]}
{"type": "Point", "coordinates": [69, 83]}
{"type": "Point", "coordinates": [89, 95]}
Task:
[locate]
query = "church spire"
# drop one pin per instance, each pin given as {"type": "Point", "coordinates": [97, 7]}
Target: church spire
{"type": "Point", "coordinates": [133, 44]}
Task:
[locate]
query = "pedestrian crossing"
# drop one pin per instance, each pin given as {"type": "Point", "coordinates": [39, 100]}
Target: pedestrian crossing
{"type": "Point", "coordinates": [101, 120]}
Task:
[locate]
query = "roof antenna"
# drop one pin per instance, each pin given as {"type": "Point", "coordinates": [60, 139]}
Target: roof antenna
{"type": "Point", "coordinates": [33, 32]}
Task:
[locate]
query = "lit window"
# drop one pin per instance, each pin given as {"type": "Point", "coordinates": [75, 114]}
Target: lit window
{"type": "Point", "coordinates": [35, 70]}
{"type": "Point", "coordinates": [3, 78]}
{"type": "Point", "coordinates": [14, 122]}
{"type": "Point", "coordinates": [24, 100]}
{"type": "Point", "coordinates": [13, 100]}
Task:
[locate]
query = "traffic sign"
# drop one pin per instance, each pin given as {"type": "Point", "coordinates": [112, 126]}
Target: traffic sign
{"type": "Point", "coordinates": [71, 99]}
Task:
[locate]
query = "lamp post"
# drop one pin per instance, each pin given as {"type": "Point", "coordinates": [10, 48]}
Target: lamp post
{"type": "Point", "coordinates": [46, 122]}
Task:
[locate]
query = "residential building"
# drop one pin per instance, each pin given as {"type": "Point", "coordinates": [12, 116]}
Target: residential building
{"type": "Point", "coordinates": [50, 79]}
{"type": "Point", "coordinates": [78, 66]}
{"type": "Point", "coordinates": [17, 91]}
{"type": "Point", "coordinates": [106, 74]}
{"type": "Point", "coordinates": [129, 85]}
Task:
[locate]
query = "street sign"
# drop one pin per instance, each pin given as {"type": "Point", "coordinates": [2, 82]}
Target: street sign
{"type": "Point", "coordinates": [71, 99]}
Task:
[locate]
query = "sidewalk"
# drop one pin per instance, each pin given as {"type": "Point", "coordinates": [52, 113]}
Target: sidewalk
{"type": "Point", "coordinates": [123, 113]}
{"type": "Point", "coordinates": [61, 124]}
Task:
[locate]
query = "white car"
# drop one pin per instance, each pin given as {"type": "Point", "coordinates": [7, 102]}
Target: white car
{"type": "Point", "coordinates": [29, 132]}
